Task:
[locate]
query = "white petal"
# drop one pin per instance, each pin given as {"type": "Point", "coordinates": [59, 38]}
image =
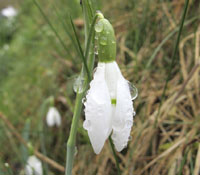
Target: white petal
{"type": "Point", "coordinates": [98, 110]}
{"type": "Point", "coordinates": [122, 120]}
{"type": "Point", "coordinates": [33, 166]}
{"type": "Point", "coordinates": [112, 75]}
{"type": "Point", "coordinates": [53, 117]}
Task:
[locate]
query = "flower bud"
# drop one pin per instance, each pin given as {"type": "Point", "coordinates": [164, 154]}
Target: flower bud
{"type": "Point", "coordinates": [105, 40]}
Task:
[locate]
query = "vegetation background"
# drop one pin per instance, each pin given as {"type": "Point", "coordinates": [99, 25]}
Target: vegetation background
{"type": "Point", "coordinates": [34, 66]}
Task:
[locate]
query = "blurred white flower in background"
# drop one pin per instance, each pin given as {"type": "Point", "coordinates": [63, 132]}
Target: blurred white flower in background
{"type": "Point", "coordinates": [9, 12]}
{"type": "Point", "coordinates": [53, 117]}
{"type": "Point", "coordinates": [33, 166]}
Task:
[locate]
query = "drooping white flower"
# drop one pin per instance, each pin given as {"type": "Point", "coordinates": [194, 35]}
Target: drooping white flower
{"type": "Point", "coordinates": [9, 12]}
{"type": "Point", "coordinates": [33, 166]}
{"type": "Point", "coordinates": [108, 107]}
{"type": "Point", "coordinates": [53, 117]}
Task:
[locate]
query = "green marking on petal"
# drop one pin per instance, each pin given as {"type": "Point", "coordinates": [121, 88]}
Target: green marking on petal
{"type": "Point", "coordinates": [113, 102]}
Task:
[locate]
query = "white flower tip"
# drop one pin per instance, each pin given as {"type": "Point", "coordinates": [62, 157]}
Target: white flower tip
{"type": "Point", "coordinates": [53, 117]}
{"type": "Point", "coordinates": [97, 143]}
{"type": "Point", "coordinates": [120, 147]}
{"type": "Point", "coordinates": [33, 166]}
{"type": "Point", "coordinates": [121, 144]}
{"type": "Point", "coordinates": [97, 149]}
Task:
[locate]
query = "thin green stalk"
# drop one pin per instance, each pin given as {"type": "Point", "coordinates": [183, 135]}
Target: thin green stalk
{"type": "Point", "coordinates": [173, 58]}
{"type": "Point", "coordinates": [72, 137]}
{"type": "Point", "coordinates": [42, 134]}
{"type": "Point", "coordinates": [88, 16]}
{"type": "Point", "coordinates": [115, 156]}
{"type": "Point", "coordinates": [183, 163]}
{"type": "Point", "coordinates": [88, 44]}
{"type": "Point", "coordinates": [81, 50]}
{"type": "Point", "coordinates": [191, 166]}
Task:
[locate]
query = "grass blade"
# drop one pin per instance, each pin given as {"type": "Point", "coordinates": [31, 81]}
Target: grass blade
{"type": "Point", "coordinates": [89, 40]}
{"type": "Point", "coordinates": [81, 51]}
{"type": "Point", "coordinates": [115, 156]}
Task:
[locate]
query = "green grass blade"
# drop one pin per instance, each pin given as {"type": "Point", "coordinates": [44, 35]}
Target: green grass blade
{"type": "Point", "coordinates": [181, 170]}
{"type": "Point", "coordinates": [89, 40]}
{"type": "Point", "coordinates": [191, 166]}
{"type": "Point", "coordinates": [81, 51]}
{"type": "Point", "coordinates": [88, 16]}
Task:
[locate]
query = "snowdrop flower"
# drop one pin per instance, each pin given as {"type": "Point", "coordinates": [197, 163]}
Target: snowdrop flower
{"type": "Point", "coordinates": [53, 117]}
{"type": "Point", "coordinates": [108, 105]}
{"type": "Point", "coordinates": [9, 12]}
{"type": "Point", "coordinates": [33, 166]}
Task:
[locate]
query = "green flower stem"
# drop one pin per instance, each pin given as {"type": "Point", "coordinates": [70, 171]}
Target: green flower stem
{"type": "Point", "coordinates": [72, 137]}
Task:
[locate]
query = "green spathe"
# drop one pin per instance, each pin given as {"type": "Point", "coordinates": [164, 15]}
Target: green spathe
{"type": "Point", "coordinates": [106, 41]}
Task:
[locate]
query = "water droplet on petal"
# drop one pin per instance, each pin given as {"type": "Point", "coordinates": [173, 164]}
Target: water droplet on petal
{"type": "Point", "coordinates": [98, 27]}
{"type": "Point", "coordinates": [128, 123]}
{"type": "Point", "coordinates": [75, 151]}
{"type": "Point", "coordinates": [129, 138]}
{"type": "Point", "coordinates": [125, 145]}
{"type": "Point", "coordinates": [96, 50]}
{"type": "Point", "coordinates": [114, 135]}
{"type": "Point", "coordinates": [95, 69]}
{"type": "Point", "coordinates": [79, 84]}
{"type": "Point", "coordinates": [133, 91]}
{"type": "Point", "coordinates": [87, 125]}
{"type": "Point", "coordinates": [134, 113]}
{"type": "Point", "coordinates": [83, 100]}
